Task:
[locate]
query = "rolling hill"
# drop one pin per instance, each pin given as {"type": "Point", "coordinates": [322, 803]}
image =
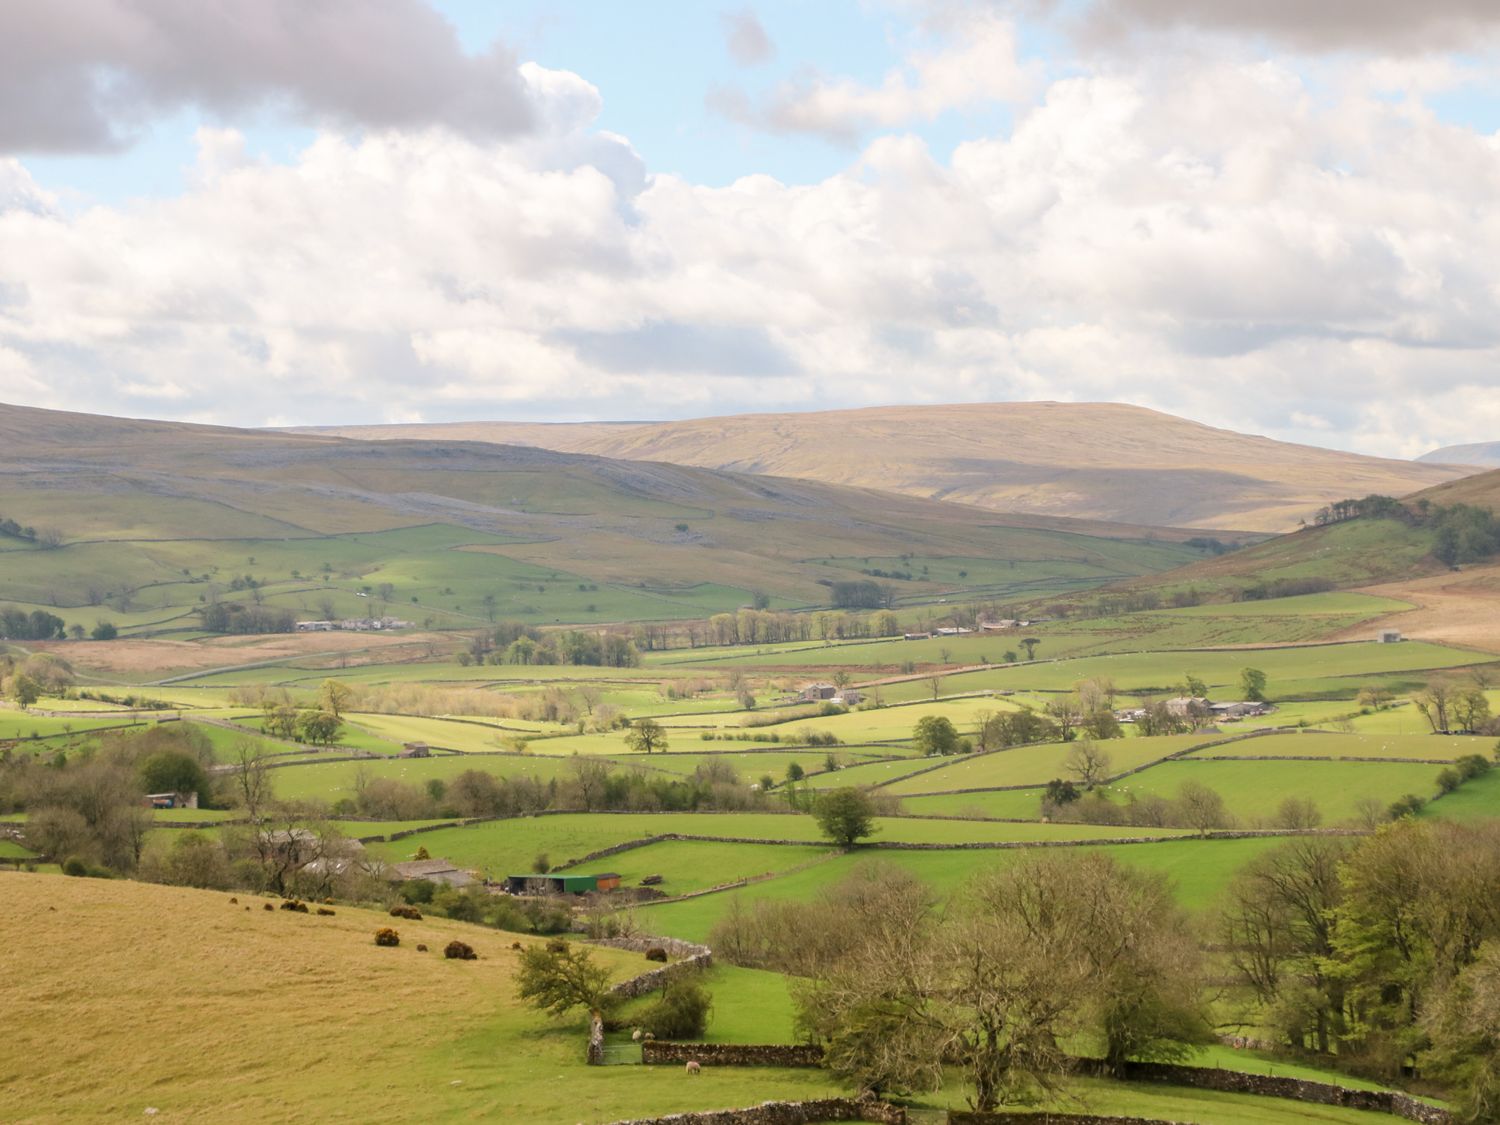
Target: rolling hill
{"type": "Point", "coordinates": [1486, 453]}
{"type": "Point", "coordinates": [1088, 460]}
{"type": "Point", "coordinates": [152, 518]}
{"type": "Point", "coordinates": [1376, 554]}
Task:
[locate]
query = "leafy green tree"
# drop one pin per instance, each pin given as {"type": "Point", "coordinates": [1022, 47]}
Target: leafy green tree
{"type": "Point", "coordinates": [934, 734]}
{"type": "Point", "coordinates": [25, 690]}
{"type": "Point", "coordinates": [845, 816]}
{"type": "Point", "coordinates": [334, 696]}
{"type": "Point", "coordinates": [1463, 1028]}
{"type": "Point", "coordinates": [558, 977]}
{"type": "Point", "coordinates": [1030, 644]}
{"type": "Point", "coordinates": [321, 728]}
{"type": "Point", "coordinates": [646, 736]}
{"type": "Point", "coordinates": [104, 631]}
{"type": "Point", "coordinates": [172, 771]}
{"type": "Point", "coordinates": [1253, 684]}
{"type": "Point", "coordinates": [795, 772]}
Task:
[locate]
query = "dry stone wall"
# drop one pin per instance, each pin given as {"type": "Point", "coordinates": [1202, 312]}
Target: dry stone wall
{"type": "Point", "coordinates": [658, 1053]}
{"type": "Point", "coordinates": [785, 1113]}
{"type": "Point", "coordinates": [1317, 1093]}
{"type": "Point", "coordinates": [694, 958]}
{"type": "Point", "coordinates": [966, 1117]}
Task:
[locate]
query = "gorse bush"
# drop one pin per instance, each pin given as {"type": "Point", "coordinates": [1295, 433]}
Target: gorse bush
{"type": "Point", "coordinates": [411, 913]}
{"type": "Point", "coordinates": [460, 951]}
{"type": "Point", "coordinates": [387, 936]}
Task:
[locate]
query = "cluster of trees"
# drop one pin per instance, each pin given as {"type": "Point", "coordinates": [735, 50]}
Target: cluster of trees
{"type": "Point", "coordinates": [14, 530]}
{"type": "Point", "coordinates": [38, 625]}
{"type": "Point", "coordinates": [754, 626]}
{"type": "Point", "coordinates": [240, 619]}
{"type": "Point", "coordinates": [1196, 805]}
{"type": "Point", "coordinates": [861, 594]}
{"type": "Point", "coordinates": [89, 804]}
{"type": "Point", "coordinates": [1457, 706]}
{"type": "Point", "coordinates": [321, 724]}
{"type": "Point", "coordinates": [1385, 951]}
{"type": "Point", "coordinates": [1046, 951]}
{"type": "Point", "coordinates": [589, 786]}
{"type": "Point", "coordinates": [27, 680]}
{"type": "Point", "coordinates": [515, 643]}
{"type": "Point", "coordinates": [1464, 533]}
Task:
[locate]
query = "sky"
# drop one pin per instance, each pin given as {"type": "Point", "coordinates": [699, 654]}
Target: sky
{"type": "Point", "coordinates": [1268, 215]}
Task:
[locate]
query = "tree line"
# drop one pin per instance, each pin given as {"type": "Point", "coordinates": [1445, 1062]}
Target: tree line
{"type": "Point", "coordinates": [1463, 533]}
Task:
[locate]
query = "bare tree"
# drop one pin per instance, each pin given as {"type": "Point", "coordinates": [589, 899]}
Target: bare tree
{"type": "Point", "coordinates": [1066, 711]}
{"type": "Point", "coordinates": [1200, 807]}
{"type": "Point", "coordinates": [1088, 762]}
{"type": "Point", "coordinates": [1298, 813]}
{"type": "Point", "coordinates": [250, 779]}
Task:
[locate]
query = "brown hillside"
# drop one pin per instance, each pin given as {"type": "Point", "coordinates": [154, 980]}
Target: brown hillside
{"type": "Point", "coordinates": [1089, 460]}
{"type": "Point", "coordinates": [617, 521]}
{"type": "Point", "coordinates": [1482, 490]}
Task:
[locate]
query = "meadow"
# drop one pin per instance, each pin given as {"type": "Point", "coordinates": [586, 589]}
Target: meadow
{"type": "Point", "coordinates": [1253, 790]}
{"type": "Point", "coordinates": [468, 1049]}
{"type": "Point", "coordinates": [508, 847]}
{"type": "Point", "coordinates": [1198, 869]}
{"type": "Point", "coordinates": [1036, 765]}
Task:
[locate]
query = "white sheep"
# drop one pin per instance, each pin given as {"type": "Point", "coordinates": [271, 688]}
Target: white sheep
{"type": "Point", "coordinates": [693, 1066]}
{"type": "Point", "coordinates": [635, 1036]}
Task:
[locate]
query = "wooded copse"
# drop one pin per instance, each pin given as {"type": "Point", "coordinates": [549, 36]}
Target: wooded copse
{"type": "Point", "coordinates": [1380, 954]}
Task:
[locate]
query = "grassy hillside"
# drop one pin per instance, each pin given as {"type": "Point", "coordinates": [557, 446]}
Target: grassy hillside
{"type": "Point", "coordinates": [1094, 460]}
{"type": "Point", "coordinates": [155, 518]}
{"type": "Point", "coordinates": [1481, 490]}
{"type": "Point", "coordinates": [179, 1000]}
{"type": "Point", "coordinates": [1380, 553]}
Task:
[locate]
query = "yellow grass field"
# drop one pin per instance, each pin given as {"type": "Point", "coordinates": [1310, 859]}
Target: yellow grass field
{"type": "Point", "coordinates": [1460, 608]}
{"type": "Point", "coordinates": [122, 996]}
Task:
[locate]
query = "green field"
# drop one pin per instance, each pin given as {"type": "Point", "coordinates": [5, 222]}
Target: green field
{"type": "Point", "coordinates": [1287, 669]}
{"type": "Point", "coordinates": [19, 725]}
{"type": "Point", "coordinates": [1324, 745]}
{"type": "Point", "coordinates": [1253, 790]}
{"type": "Point", "coordinates": [508, 846]}
{"type": "Point", "coordinates": [1199, 869]}
{"type": "Point", "coordinates": [1036, 765]}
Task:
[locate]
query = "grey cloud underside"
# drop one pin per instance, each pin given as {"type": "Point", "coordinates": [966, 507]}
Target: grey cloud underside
{"type": "Point", "coordinates": [1399, 26]}
{"type": "Point", "coordinates": [746, 39]}
{"type": "Point", "coordinates": [683, 349]}
{"type": "Point", "coordinates": [82, 76]}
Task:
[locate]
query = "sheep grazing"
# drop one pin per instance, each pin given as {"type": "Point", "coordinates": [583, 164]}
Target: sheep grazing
{"type": "Point", "coordinates": [635, 1036]}
{"type": "Point", "coordinates": [693, 1066]}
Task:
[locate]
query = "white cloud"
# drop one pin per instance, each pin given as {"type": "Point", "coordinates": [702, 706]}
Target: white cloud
{"type": "Point", "coordinates": [973, 62]}
{"type": "Point", "coordinates": [1209, 238]}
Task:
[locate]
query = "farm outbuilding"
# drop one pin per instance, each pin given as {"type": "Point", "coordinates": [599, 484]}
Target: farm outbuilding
{"type": "Point", "coordinates": [171, 800]}
{"type": "Point", "coordinates": [1389, 636]}
{"type": "Point", "coordinates": [561, 884]}
{"type": "Point", "coordinates": [433, 870]}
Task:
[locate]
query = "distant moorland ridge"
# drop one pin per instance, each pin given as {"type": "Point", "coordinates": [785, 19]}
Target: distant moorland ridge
{"type": "Point", "coordinates": [1107, 461]}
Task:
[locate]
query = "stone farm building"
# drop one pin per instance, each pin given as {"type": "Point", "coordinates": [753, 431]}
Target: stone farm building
{"type": "Point", "coordinates": [433, 870]}
{"type": "Point", "coordinates": [819, 693]}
